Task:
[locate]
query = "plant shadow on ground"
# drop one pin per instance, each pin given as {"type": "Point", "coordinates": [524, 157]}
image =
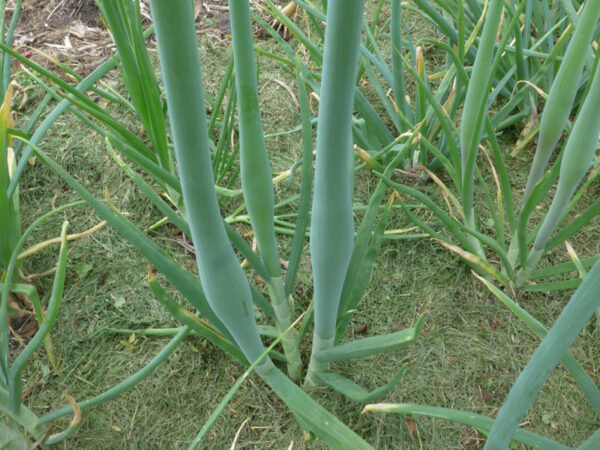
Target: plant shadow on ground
{"type": "Point", "coordinates": [467, 358]}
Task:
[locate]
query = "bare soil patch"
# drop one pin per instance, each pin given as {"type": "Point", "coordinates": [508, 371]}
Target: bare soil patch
{"type": "Point", "coordinates": [72, 31]}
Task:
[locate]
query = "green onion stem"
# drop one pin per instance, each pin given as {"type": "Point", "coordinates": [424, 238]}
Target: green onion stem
{"type": "Point", "coordinates": [332, 223]}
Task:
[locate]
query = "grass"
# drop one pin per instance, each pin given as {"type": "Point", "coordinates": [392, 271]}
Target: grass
{"type": "Point", "coordinates": [471, 351]}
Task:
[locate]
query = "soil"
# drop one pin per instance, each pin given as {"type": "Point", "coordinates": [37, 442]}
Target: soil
{"type": "Point", "coordinates": [72, 31]}
{"type": "Point", "coordinates": [69, 31]}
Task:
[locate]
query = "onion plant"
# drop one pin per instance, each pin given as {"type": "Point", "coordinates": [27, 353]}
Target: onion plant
{"type": "Point", "coordinates": [257, 181]}
{"type": "Point", "coordinates": [187, 166]}
{"type": "Point", "coordinates": [545, 36]}
{"type": "Point", "coordinates": [518, 262]}
{"type": "Point", "coordinates": [515, 48]}
{"type": "Point", "coordinates": [510, 237]}
{"type": "Point", "coordinates": [332, 224]}
{"type": "Point", "coordinates": [221, 293]}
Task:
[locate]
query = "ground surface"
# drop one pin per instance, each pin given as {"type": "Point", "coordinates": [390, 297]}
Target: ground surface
{"type": "Point", "coordinates": [471, 351]}
{"type": "Point", "coordinates": [72, 31]}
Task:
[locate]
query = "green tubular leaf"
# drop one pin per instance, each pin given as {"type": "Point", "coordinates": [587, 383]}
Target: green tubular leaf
{"type": "Point", "coordinates": [592, 443]}
{"type": "Point", "coordinates": [577, 157]}
{"type": "Point", "coordinates": [305, 187]}
{"type": "Point", "coordinates": [14, 132]}
{"type": "Point", "coordinates": [194, 323]}
{"type": "Point", "coordinates": [356, 393]}
{"type": "Point", "coordinates": [363, 258]}
{"type": "Point", "coordinates": [553, 286]}
{"type": "Point", "coordinates": [25, 417]}
{"type": "Point", "coordinates": [481, 423]}
{"type": "Point", "coordinates": [372, 345]}
{"type": "Point", "coordinates": [7, 286]}
{"type": "Point", "coordinates": [255, 170]}
{"type": "Point", "coordinates": [12, 438]}
{"type": "Point", "coordinates": [555, 345]}
{"type": "Point", "coordinates": [397, 65]}
{"type": "Point", "coordinates": [503, 177]}
{"type": "Point", "coordinates": [9, 224]}
{"type": "Point", "coordinates": [257, 182]}
{"type": "Point", "coordinates": [322, 423]}
{"type": "Point", "coordinates": [14, 376]}
{"type": "Point", "coordinates": [223, 280]}
{"type": "Point", "coordinates": [562, 268]}
{"type": "Point", "coordinates": [582, 379]}
{"type": "Point", "coordinates": [474, 110]}
{"type": "Point", "coordinates": [576, 225]}
{"type": "Point", "coordinates": [332, 223]}
{"type": "Point", "coordinates": [562, 94]}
